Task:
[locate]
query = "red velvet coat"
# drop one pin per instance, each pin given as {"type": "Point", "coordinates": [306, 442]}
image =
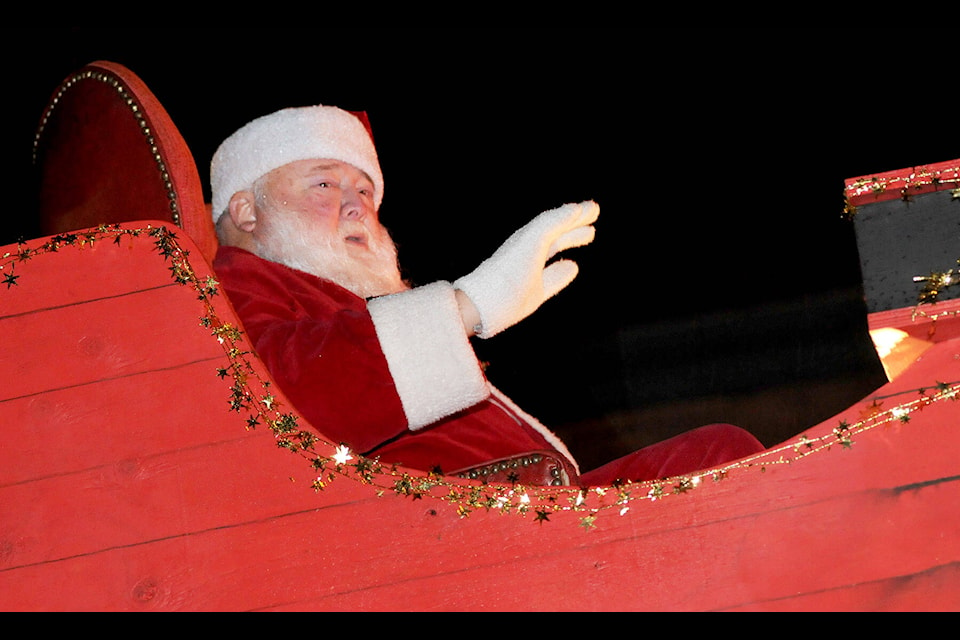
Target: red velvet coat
{"type": "Point", "coordinates": [319, 342]}
{"type": "Point", "coordinates": [328, 350]}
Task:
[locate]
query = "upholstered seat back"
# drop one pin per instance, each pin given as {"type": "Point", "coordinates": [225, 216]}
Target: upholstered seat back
{"type": "Point", "coordinates": [107, 152]}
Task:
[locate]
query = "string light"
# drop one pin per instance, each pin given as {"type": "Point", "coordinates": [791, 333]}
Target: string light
{"type": "Point", "coordinates": [252, 397]}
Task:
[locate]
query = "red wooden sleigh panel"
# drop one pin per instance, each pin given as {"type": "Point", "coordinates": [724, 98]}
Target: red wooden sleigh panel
{"type": "Point", "coordinates": [147, 462]}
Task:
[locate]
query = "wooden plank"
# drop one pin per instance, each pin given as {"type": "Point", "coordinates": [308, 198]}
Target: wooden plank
{"type": "Point", "coordinates": [903, 183]}
{"type": "Point", "coordinates": [931, 590]}
{"type": "Point", "coordinates": [304, 561]}
{"type": "Point", "coordinates": [87, 265]}
{"type": "Point", "coordinates": [149, 497]}
{"type": "Point", "coordinates": [103, 339]}
{"type": "Point", "coordinates": [154, 412]}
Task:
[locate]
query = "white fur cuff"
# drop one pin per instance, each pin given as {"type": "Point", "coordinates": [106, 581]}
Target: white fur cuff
{"type": "Point", "coordinates": [432, 362]}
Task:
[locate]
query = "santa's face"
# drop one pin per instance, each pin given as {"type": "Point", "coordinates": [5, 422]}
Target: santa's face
{"type": "Point", "coordinates": [319, 216]}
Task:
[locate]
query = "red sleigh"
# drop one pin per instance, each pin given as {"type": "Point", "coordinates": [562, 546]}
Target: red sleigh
{"type": "Point", "coordinates": [147, 462]}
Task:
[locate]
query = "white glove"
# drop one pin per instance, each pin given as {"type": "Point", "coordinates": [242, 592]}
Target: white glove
{"type": "Point", "coordinates": [512, 283]}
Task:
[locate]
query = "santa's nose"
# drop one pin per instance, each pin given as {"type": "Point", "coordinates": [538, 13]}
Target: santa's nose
{"type": "Point", "coordinates": [352, 207]}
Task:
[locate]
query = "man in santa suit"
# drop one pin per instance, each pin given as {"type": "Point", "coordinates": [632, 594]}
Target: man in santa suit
{"type": "Point", "coordinates": [385, 368]}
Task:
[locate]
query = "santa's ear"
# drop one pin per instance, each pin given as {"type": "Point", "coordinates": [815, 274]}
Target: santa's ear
{"type": "Point", "coordinates": [243, 211]}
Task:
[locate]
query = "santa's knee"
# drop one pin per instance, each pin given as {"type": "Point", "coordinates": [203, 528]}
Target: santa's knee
{"type": "Point", "coordinates": [731, 438]}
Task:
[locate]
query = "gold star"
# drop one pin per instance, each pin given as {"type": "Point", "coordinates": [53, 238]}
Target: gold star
{"type": "Point", "coordinates": [871, 410]}
{"type": "Point", "coordinates": [683, 485]}
{"type": "Point", "coordinates": [656, 491]}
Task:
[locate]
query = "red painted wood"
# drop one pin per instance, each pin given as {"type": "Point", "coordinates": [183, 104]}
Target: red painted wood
{"type": "Point", "coordinates": [902, 183]}
{"type": "Point", "coordinates": [932, 322]}
{"type": "Point", "coordinates": [128, 483]}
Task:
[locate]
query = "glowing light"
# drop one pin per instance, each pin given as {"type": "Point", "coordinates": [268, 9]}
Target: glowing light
{"type": "Point", "coordinates": [885, 340]}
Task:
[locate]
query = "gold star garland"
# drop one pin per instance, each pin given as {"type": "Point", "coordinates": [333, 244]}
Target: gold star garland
{"type": "Point", "coordinates": [251, 395]}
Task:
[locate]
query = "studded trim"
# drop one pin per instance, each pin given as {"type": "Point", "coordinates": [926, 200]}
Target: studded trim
{"type": "Point", "coordinates": [548, 470]}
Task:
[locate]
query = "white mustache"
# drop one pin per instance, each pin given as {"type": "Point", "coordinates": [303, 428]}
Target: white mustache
{"type": "Point", "coordinates": [293, 242]}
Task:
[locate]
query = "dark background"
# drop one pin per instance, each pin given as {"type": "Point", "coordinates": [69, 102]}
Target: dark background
{"type": "Point", "coordinates": [724, 282]}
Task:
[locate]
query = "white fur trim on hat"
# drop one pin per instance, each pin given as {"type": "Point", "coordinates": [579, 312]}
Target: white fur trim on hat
{"type": "Point", "coordinates": [288, 135]}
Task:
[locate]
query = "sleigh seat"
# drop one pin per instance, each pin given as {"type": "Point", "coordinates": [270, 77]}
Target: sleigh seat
{"type": "Point", "coordinates": [107, 151]}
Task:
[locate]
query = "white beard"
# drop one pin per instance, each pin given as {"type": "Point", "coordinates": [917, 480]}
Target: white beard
{"type": "Point", "coordinates": [366, 273]}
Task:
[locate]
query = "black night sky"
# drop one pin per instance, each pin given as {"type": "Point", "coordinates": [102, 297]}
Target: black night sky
{"type": "Point", "coordinates": [722, 267]}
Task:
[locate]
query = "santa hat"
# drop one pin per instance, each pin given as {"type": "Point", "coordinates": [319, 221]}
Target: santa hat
{"type": "Point", "coordinates": [288, 135]}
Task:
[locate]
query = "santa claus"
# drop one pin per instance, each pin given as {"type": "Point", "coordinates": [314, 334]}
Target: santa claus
{"type": "Point", "coordinates": [388, 369]}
